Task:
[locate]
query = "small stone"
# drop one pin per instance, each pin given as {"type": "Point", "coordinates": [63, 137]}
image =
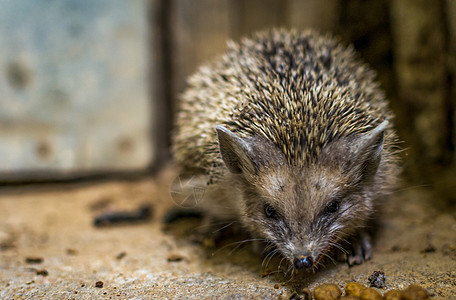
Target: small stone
{"type": "Point", "coordinates": [42, 272]}
{"type": "Point", "coordinates": [99, 284]}
{"type": "Point", "coordinates": [354, 289]}
{"type": "Point", "coordinates": [71, 251]}
{"type": "Point", "coordinates": [429, 249]}
{"type": "Point", "coordinates": [175, 257]}
{"type": "Point", "coordinates": [377, 279]}
{"type": "Point", "coordinates": [34, 260]}
{"type": "Point", "coordinates": [121, 255]}
{"type": "Point", "coordinates": [276, 286]}
{"type": "Point", "coordinates": [327, 291]}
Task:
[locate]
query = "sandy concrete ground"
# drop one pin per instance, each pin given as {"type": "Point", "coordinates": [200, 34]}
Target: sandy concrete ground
{"type": "Point", "coordinates": [416, 244]}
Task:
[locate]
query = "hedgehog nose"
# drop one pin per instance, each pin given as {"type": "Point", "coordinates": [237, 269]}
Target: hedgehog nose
{"type": "Point", "coordinates": [303, 262]}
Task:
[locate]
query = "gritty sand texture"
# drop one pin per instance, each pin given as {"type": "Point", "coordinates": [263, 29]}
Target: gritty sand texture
{"type": "Point", "coordinates": [416, 244]}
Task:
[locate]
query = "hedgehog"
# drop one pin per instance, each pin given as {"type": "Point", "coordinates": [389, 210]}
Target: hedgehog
{"type": "Point", "coordinates": [293, 137]}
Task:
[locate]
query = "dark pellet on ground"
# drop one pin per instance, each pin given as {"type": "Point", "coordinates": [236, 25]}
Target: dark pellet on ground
{"type": "Point", "coordinates": [175, 257]}
{"type": "Point", "coordinates": [429, 249]}
{"type": "Point", "coordinates": [377, 279]}
{"type": "Point", "coordinates": [142, 214]}
{"type": "Point", "coordinates": [42, 272]}
{"type": "Point", "coordinates": [70, 251]}
{"type": "Point", "coordinates": [121, 255]}
{"type": "Point", "coordinates": [34, 260]}
{"type": "Point", "coordinates": [99, 284]}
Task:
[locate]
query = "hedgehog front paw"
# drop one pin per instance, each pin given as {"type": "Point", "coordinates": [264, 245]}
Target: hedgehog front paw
{"type": "Point", "coordinates": [361, 249]}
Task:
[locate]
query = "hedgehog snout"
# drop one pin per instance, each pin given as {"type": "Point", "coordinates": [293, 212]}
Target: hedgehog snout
{"type": "Point", "coordinates": [303, 261]}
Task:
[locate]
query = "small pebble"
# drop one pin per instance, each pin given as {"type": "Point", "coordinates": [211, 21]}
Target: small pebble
{"type": "Point", "coordinates": [429, 249]}
{"type": "Point", "coordinates": [377, 279]}
{"type": "Point", "coordinates": [34, 260]}
{"type": "Point", "coordinates": [42, 272]}
{"type": "Point", "coordinates": [175, 258]}
{"type": "Point", "coordinates": [327, 291]}
{"type": "Point", "coordinates": [99, 284]}
{"type": "Point", "coordinates": [121, 255]}
{"type": "Point", "coordinates": [71, 251]}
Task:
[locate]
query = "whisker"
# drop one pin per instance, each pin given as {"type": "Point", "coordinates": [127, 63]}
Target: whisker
{"type": "Point", "coordinates": [280, 263]}
{"type": "Point", "coordinates": [274, 252]}
{"type": "Point", "coordinates": [264, 259]}
{"type": "Point", "coordinates": [290, 271]}
{"type": "Point", "coordinates": [227, 225]}
{"type": "Point", "coordinates": [263, 263]}
{"type": "Point", "coordinates": [411, 188]}
{"type": "Point", "coordinates": [268, 247]}
{"type": "Point", "coordinates": [339, 247]}
{"type": "Point", "coordinates": [332, 259]}
{"type": "Point", "coordinates": [238, 243]}
{"type": "Point", "coordinates": [212, 224]}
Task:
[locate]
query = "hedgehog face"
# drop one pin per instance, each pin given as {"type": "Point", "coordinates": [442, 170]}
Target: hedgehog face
{"type": "Point", "coordinates": [305, 210]}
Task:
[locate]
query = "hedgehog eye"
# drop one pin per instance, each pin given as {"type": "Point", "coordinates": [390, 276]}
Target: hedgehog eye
{"type": "Point", "coordinates": [332, 207]}
{"type": "Point", "coordinates": [270, 211]}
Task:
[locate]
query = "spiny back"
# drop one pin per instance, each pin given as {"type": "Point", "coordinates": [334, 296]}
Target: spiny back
{"type": "Point", "coordinates": [300, 90]}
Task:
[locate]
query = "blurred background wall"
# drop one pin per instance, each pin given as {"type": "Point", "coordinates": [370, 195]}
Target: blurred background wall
{"type": "Point", "coordinates": [73, 87]}
{"type": "Point", "coordinates": [92, 86]}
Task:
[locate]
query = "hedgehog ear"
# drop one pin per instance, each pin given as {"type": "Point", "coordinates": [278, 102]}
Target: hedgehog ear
{"type": "Point", "coordinates": [236, 152]}
{"type": "Point", "coordinates": [247, 155]}
{"type": "Point", "coordinates": [366, 151]}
